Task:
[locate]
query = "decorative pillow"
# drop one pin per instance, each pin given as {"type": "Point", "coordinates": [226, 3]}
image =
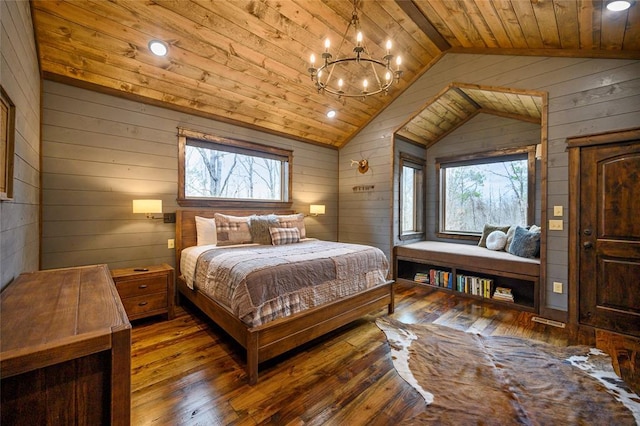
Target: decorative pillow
{"type": "Point", "coordinates": [496, 240]}
{"type": "Point", "coordinates": [206, 231]}
{"type": "Point", "coordinates": [510, 232]}
{"type": "Point", "coordinates": [525, 243]}
{"type": "Point", "coordinates": [280, 236]}
{"type": "Point", "coordinates": [293, 221]}
{"type": "Point", "coordinates": [232, 229]}
{"type": "Point", "coordinates": [260, 228]}
{"type": "Point", "coordinates": [488, 228]}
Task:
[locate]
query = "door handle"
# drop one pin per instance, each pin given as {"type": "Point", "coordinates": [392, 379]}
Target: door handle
{"type": "Point", "coordinates": [587, 245]}
{"type": "Point", "coordinates": [587, 231]}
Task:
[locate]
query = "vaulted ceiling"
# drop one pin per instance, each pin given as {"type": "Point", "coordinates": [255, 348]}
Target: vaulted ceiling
{"type": "Point", "coordinates": [246, 61]}
{"type": "Point", "coordinates": [458, 103]}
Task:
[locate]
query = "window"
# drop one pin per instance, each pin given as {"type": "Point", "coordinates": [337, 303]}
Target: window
{"type": "Point", "coordinates": [214, 169]}
{"type": "Point", "coordinates": [497, 188]}
{"type": "Point", "coordinates": [411, 197]}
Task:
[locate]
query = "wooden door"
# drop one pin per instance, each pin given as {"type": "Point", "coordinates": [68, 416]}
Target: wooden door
{"type": "Point", "coordinates": [609, 237]}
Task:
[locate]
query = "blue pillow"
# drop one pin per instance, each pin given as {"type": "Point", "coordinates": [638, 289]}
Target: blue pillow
{"type": "Point", "coordinates": [525, 243]}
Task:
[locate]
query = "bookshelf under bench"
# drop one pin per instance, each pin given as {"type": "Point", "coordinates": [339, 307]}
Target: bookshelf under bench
{"type": "Point", "coordinates": [470, 271]}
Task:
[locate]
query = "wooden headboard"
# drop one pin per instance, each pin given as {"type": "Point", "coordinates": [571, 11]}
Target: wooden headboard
{"type": "Point", "coordinates": [186, 235]}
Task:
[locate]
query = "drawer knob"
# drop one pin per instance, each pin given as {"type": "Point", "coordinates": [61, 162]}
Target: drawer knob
{"type": "Point", "coordinates": [142, 303]}
{"type": "Point", "coordinates": [142, 286]}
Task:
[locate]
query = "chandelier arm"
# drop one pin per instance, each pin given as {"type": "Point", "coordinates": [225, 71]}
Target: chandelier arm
{"type": "Point", "coordinates": [361, 55]}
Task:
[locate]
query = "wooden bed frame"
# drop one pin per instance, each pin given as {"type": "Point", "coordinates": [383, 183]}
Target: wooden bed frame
{"type": "Point", "coordinates": [276, 337]}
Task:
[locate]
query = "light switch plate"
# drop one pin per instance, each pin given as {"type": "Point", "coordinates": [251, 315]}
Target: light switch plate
{"type": "Point", "coordinates": [557, 210]}
{"type": "Point", "coordinates": [171, 243]}
{"type": "Point", "coordinates": [557, 287]}
{"type": "Point", "coordinates": [555, 225]}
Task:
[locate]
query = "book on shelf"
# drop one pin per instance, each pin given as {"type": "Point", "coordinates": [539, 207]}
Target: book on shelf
{"type": "Point", "coordinates": [421, 277]}
{"type": "Point", "coordinates": [503, 293]}
{"type": "Point", "coordinates": [476, 286]}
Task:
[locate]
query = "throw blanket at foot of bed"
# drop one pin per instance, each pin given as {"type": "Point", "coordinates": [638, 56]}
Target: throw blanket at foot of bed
{"type": "Point", "coordinates": [472, 379]}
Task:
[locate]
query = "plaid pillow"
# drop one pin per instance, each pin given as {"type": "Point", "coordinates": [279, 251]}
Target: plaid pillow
{"type": "Point", "coordinates": [232, 229]}
{"type": "Point", "coordinates": [281, 236]}
{"type": "Point", "coordinates": [293, 221]}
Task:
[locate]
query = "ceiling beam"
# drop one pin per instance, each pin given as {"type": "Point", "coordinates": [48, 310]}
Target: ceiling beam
{"type": "Point", "coordinates": [409, 7]}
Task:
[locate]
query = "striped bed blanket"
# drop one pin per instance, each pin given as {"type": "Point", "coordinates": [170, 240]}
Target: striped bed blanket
{"type": "Point", "coordinates": [260, 283]}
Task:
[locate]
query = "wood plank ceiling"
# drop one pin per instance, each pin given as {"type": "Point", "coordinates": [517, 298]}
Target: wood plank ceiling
{"type": "Point", "coordinates": [245, 61]}
{"type": "Point", "coordinates": [458, 103]}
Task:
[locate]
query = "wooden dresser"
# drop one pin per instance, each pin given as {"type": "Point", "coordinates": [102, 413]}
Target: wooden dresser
{"type": "Point", "coordinates": [65, 349]}
{"type": "Point", "coordinates": [146, 291]}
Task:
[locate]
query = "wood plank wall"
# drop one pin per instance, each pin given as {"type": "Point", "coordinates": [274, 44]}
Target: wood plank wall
{"type": "Point", "coordinates": [100, 152]}
{"type": "Point", "coordinates": [20, 77]}
{"type": "Point", "coordinates": [585, 96]}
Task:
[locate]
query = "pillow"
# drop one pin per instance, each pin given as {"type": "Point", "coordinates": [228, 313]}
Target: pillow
{"type": "Point", "coordinates": [280, 236]}
{"type": "Point", "coordinates": [232, 229]}
{"type": "Point", "coordinates": [206, 231]}
{"type": "Point", "coordinates": [496, 240]}
{"type": "Point", "coordinates": [260, 228]}
{"type": "Point", "coordinates": [293, 221]}
{"type": "Point", "coordinates": [525, 243]}
{"type": "Point", "coordinates": [489, 229]}
{"type": "Point", "coordinates": [510, 232]}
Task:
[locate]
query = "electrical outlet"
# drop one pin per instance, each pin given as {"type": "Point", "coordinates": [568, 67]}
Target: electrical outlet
{"type": "Point", "coordinates": [555, 225]}
{"type": "Point", "coordinates": [171, 243]}
{"type": "Point", "coordinates": [557, 210]}
{"type": "Point", "coordinates": [557, 287]}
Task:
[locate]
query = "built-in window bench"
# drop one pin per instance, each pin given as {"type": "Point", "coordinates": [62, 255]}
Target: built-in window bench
{"type": "Point", "coordinates": [470, 271]}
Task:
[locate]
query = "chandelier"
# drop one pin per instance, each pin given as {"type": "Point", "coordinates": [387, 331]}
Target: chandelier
{"type": "Point", "coordinates": [355, 76]}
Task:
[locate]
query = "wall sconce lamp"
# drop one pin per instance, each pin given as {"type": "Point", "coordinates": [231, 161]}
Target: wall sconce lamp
{"type": "Point", "coordinates": [316, 209]}
{"type": "Point", "coordinates": [148, 207]}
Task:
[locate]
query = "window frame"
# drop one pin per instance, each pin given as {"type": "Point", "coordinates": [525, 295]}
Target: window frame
{"type": "Point", "coordinates": [420, 164]}
{"type": "Point", "coordinates": [485, 157]}
{"type": "Point", "coordinates": [194, 138]}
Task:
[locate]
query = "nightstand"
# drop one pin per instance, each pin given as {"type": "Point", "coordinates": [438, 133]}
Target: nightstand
{"type": "Point", "coordinates": [146, 291]}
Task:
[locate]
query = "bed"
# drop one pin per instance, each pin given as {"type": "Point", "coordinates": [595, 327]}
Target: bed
{"type": "Point", "coordinates": [264, 339]}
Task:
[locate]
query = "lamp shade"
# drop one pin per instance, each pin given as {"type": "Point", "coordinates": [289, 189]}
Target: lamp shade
{"type": "Point", "coordinates": [147, 206]}
{"type": "Point", "coordinates": [316, 209]}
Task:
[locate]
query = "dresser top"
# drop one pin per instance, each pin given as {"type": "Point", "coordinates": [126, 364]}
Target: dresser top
{"type": "Point", "coordinates": [54, 315]}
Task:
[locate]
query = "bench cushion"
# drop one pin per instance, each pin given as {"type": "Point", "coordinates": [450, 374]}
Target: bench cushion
{"type": "Point", "coordinates": [470, 256]}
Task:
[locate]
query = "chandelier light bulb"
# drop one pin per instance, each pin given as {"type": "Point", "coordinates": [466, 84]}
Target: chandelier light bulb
{"type": "Point", "coordinates": [340, 83]}
{"type": "Point", "coordinates": [398, 62]}
{"type": "Point", "coordinates": [387, 76]}
{"type": "Point", "coordinates": [327, 44]}
{"type": "Point", "coordinates": [312, 59]}
{"type": "Point", "coordinates": [388, 46]}
{"type": "Point", "coordinates": [359, 38]}
{"type": "Point", "coordinates": [365, 83]}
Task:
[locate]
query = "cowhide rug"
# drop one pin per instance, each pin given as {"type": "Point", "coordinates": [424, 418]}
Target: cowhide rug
{"type": "Point", "coordinates": [467, 378]}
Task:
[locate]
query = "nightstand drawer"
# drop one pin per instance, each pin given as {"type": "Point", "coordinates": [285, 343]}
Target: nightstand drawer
{"type": "Point", "coordinates": [141, 286]}
{"type": "Point", "coordinates": [147, 303]}
{"type": "Point", "coordinates": [146, 291]}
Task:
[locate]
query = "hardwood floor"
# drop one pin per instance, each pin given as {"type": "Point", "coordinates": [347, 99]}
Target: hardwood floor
{"type": "Point", "coordinates": [188, 371]}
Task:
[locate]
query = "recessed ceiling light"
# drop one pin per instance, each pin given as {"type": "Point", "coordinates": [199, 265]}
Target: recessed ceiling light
{"type": "Point", "coordinates": [331, 113]}
{"type": "Point", "coordinates": [618, 5]}
{"type": "Point", "coordinates": [158, 48]}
